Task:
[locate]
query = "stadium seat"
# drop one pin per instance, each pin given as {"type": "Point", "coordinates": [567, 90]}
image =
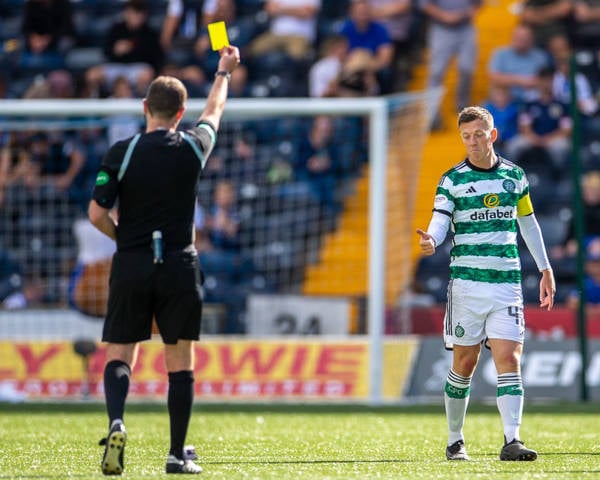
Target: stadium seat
{"type": "Point", "coordinates": [531, 288]}
{"type": "Point", "coordinates": [244, 29]}
{"type": "Point", "coordinates": [82, 58]}
{"type": "Point", "coordinates": [590, 155]}
{"type": "Point", "coordinates": [333, 10]}
{"type": "Point", "coordinates": [10, 26]}
{"type": "Point", "coordinates": [249, 7]}
{"type": "Point", "coordinates": [563, 291]}
{"type": "Point", "coordinates": [554, 229]}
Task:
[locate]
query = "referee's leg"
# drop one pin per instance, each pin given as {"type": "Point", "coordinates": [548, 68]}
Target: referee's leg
{"type": "Point", "coordinates": [179, 362]}
{"type": "Point", "coordinates": [120, 360]}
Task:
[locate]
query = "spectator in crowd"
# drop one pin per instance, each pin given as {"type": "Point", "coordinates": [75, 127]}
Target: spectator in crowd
{"type": "Point", "coordinates": [561, 87]}
{"type": "Point", "coordinates": [4, 85]}
{"type": "Point", "coordinates": [213, 11]}
{"type": "Point", "coordinates": [397, 17]}
{"type": "Point", "coordinates": [56, 84]}
{"type": "Point", "coordinates": [16, 167]}
{"type": "Point", "coordinates": [180, 24]}
{"type": "Point", "coordinates": [132, 48]}
{"type": "Point", "coordinates": [558, 46]}
{"type": "Point", "coordinates": [585, 26]}
{"type": "Point", "coordinates": [223, 220]}
{"type": "Point", "coordinates": [48, 32]}
{"type": "Point", "coordinates": [192, 76]}
{"type": "Point", "coordinates": [451, 34]}
{"type": "Point", "coordinates": [505, 111]}
{"type": "Point", "coordinates": [15, 292]}
{"type": "Point", "coordinates": [317, 162]}
{"type": "Point", "coordinates": [358, 77]}
{"type": "Point", "coordinates": [364, 33]}
{"type": "Point", "coordinates": [560, 49]}
{"type": "Point", "coordinates": [122, 126]}
{"type": "Point", "coordinates": [238, 86]}
{"type": "Point", "coordinates": [517, 64]}
{"type": "Point", "coordinates": [88, 285]}
{"type": "Point", "coordinates": [544, 128]}
{"type": "Point", "coordinates": [324, 73]}
{"type": "Point", "coordinates": [219, 250]}
{"type": "Point", "coordinates": [590, 195]}
{"type": "Point", "coordinates": [292, 29]}
{"type": "Point", "coordinates": [591, 282]}
{"type": "Point", "coordinates": [546, 18]}
{"type": "Point", "coordinates": [190, 55]}
{"type": "Point", "coordinates": [58, 165]}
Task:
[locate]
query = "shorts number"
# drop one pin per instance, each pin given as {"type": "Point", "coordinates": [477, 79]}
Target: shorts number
{"type": "Point", "coordinates": [517, 313]}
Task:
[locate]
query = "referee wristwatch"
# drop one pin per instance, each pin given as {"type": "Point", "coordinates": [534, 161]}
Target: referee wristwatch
{"type": "Point", "coordinates": [223, 73]}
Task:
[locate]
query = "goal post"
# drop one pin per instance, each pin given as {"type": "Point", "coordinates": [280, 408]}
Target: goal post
{"type": "Point", "coordinates": [395, 128]}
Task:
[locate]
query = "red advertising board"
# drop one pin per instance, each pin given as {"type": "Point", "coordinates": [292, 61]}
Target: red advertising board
{"type": "Point", "coordinates": [224, 368]}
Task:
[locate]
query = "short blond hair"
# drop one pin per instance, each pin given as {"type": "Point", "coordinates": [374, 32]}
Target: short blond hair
{"type": "Point", "coordinates": [470, 114]}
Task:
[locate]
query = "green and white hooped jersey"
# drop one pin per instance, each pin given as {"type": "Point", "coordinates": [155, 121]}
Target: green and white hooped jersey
{"type": "Point", "coordinates": [483, 206]}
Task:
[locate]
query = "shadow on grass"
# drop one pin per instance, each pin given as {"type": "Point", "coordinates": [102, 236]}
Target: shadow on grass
{"type": "Point", "coordinates": [234, 407]}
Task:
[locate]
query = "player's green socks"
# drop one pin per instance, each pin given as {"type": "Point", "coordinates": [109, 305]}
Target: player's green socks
{"type": "Point", "coordinates": [509, 399]}
{"type": "Point", "coordinates": [456, 399]}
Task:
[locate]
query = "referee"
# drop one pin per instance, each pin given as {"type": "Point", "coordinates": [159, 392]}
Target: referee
{"type": "Point", "coordinates": [155, 271]}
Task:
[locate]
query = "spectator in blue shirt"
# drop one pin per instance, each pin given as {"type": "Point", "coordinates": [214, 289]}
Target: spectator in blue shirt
{"type": "Point", "coordinates": [505, 111]}
{"type": "Point", "coordinates": [516, 65]}
{"type": "Point", "coordinates": [591, 283]}
{"type": "Point", "coordinates": [316, 161]}
{"type": "Point", "coordinates": [544, 127]}
{"type": "Point", "coordinates": [363, 32]}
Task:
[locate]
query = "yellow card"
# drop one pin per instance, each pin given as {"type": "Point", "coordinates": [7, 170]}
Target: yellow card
{"type": "Point", "coordinates": [218, 35]}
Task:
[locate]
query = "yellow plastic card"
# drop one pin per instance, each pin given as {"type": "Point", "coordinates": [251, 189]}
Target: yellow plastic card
{"type": "Point", "coordinates": [218, 35]}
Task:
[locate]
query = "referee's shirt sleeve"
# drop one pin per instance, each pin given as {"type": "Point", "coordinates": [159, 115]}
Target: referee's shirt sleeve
{"type": "Point", "coordinates": [107, 181]}
{"type": "Point", "coordinates": [202, 138]}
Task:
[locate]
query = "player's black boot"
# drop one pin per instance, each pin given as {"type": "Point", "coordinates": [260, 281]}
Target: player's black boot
{"type": "Point", "coordinates": [457, 451]}
{"type": "Point", "coordinates": [517, 451]}
{"type": "Point", "coordinates": [114, 448]}
{"type": "Point", "coordinates": [187, 465]}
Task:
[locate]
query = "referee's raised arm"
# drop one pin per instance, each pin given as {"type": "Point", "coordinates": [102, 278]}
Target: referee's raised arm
{"type": "Point", "coordinates": [215, 102]}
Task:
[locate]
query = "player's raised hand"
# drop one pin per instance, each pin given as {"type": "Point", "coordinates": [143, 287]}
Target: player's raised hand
{"type": "Point", "coordinates": [230, 58]}
{"type": "Point", "coordinates": [426, 242]}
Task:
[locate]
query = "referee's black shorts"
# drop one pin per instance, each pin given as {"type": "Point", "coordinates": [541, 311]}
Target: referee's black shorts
{"type": "Point", "coordinates": [141, 290]}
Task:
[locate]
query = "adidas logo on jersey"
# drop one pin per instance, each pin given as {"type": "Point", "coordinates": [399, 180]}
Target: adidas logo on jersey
{"type": "Point", "coordinates": [471, 189]}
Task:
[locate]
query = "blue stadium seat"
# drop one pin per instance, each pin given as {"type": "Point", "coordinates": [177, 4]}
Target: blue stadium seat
{"type": "Point", "coordinates": [80, 59]}
{"type": "Point", "coordinates": [333, 10]}
{"type": "Point", "coordinates": [249, 7]}
{"type": "Point", "coordinates": [554, 229]}
{"type": "Point", "coordinates": [10, 26]}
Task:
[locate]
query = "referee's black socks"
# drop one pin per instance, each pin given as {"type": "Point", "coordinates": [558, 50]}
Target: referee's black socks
{"type": "Point", "coordinates": [116, 387]}
{"type": "Point", "coordinates": [179, 402]}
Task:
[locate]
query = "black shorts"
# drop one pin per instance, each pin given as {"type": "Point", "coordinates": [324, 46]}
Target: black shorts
{"type": "Point", "coordinates": [141, 290]}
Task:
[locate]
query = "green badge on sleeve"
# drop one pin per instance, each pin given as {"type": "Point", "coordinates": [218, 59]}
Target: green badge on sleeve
{"type": "Point", "coordinates": [102, 178]}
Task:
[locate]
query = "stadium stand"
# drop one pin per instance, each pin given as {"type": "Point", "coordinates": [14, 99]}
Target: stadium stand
{"type": "Point", "coordinates": [41, 241]}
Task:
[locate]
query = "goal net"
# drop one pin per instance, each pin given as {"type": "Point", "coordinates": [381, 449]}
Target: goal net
{"type": "Point", "coordinates": [320, 193]}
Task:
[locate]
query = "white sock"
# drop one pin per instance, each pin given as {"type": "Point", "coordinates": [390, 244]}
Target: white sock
{"type": "Point", "coordinates": [509, 398]}
{"type": "Point", "coordinates": [456, 399]}
{"type": "Point", "coordinates": [116, 420]}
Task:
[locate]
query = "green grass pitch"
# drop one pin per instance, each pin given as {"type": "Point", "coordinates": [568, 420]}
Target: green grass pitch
{"type": "Point", "coordinates": [55, 441]}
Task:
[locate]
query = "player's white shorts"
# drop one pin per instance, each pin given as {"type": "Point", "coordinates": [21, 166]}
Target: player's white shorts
{"type": "Point", "coordinates": [476, 311]}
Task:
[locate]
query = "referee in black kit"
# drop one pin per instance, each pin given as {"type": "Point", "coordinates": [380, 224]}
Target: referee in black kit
{"type": "Point", "coordinates": [155, 271]}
